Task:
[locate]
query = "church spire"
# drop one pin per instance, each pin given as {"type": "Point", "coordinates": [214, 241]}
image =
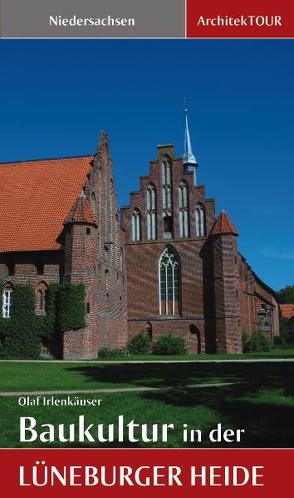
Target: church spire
{"type": "Point", "coordinates": [189, 160]}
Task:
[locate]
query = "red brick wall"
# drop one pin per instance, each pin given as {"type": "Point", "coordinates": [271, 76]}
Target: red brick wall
{"type": "Point", "coordinates": [254, 293]}
{"type": "Point", "coordinates": [25, 265]}
{"type": "Point", "coordinates": [81, 267]}
{"type": "Point", "coordinates": [220, 294]}
{"type": "Point", "coordinates": [111, 271]}
{"type": "Point", "coordinates": [191, 330]}
{"type": "Point", "coordinates": [216, 288]}
{"type": "Point", "coordinates": [142, 258]}
{"type": "Point", "coordinates": [103, 271]}
{"type": "Point", "coordinates": [227, 294]}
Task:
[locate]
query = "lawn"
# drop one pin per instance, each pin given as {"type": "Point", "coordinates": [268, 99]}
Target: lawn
{"type": "Point", "coordinates": [266, 414]}
{"type": "Point", "coordinates": [261, 400]}
{"type": "Point", "coordinates": [32, 376]}
{"type": "Point", "coordinates": [273, 353]}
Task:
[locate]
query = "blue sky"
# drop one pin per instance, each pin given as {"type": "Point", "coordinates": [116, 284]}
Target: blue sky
{"type": "Point", "coordinates": [56, 95]}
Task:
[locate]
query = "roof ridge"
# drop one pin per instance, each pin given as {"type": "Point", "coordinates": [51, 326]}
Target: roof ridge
{"type": "Point", "coordinates": [45, 159]}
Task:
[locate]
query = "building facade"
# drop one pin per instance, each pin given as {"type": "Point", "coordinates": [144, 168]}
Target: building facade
{"type": "Point", "coordinates": [167, 264]}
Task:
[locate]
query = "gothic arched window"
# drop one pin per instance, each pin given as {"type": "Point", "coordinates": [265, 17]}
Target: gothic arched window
{"type": "Point", "coordinates": [200, 221]}
{"type": "Point", "coordinates": [136, 226]}
{"type": "Point", "coordinates": [166, 183]}
{"type": "Point", "coordinates": [169, 282]}
{"type": "Point", "coordinates": [6, 301]}
{"type": "Point", "coordinates": [183, 210]}
{"type": "Point", "coordinates": [41, 297]}
{"type": "Point", "coordinates": [151, 212]}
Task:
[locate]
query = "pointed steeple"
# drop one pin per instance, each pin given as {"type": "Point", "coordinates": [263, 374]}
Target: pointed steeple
{"type": "Point", "coordinates": [223, 226]}
{"type": "Point", "coordinates": [81, 212]}
{"type": "Point", "coordinates": [189, 160]}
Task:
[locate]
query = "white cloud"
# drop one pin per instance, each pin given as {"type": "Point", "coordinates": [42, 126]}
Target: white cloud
{"type": "Point", "coordinates": [276, 253]}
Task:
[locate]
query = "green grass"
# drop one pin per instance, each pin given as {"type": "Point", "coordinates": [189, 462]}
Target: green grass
{"type": "Point", "coordinates": [261, 400]}
{"type": "Point", "coordinates": [273, 353]}
{"type": "Point", "coordinates": [265, 413]}
{"type": "Point", "coordinates": [32, 376]}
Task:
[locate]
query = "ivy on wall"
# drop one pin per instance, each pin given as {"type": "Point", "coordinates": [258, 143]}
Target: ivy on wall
{"type": "Point", "coordinates": [22, 339]}
{"type": "Point", "coordinates": [71, 307]}
{"type": "Point", "coordinates": [22, 334]}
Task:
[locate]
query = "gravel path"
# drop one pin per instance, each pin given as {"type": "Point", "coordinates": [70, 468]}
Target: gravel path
{"type": "Point", "coordinates": [112, 390]}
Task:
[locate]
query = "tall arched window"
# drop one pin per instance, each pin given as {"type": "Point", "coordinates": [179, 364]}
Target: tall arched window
{"type": "Point", "coordinates": [6, 301]}
{"type": "Point", "coordinates": [200, 221]}
{"type": "Point", "coordinates": [183, 210]}
{"type": "Point", "coordinates": [169, 282]}
{"type": "Point", "coordinates": [136, 226]}
{"type": "Point", "coordinates": [151, 212]}
{"type": "Point", "coordinates": [41, 297]}
{"type": "Point", "coordinates": [166, 183]}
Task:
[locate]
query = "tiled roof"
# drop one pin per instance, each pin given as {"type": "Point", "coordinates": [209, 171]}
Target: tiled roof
{"type": "Point", "coordinates": [80, 212]}
{"type": "Point", "coordinates": [287, 310]}
{"type": "Point", "coordinates": [36, 197]}
{"type": "Point", "coordinates": [223, 225]}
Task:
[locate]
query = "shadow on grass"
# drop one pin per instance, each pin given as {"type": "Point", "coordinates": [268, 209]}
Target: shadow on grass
{"type": "Point", "coordinates": [181, 375]}
{"type": "Point", "coordinates": [260, 402]}
{"type": "Point", "coordinates": [267, 419]}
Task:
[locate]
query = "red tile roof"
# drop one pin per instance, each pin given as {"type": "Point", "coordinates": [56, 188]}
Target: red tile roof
{"type": "Point", "coordinates": [287, 310]}
{"type": "Point", "coordinates": [81, 212]}
{"type": "Point", "coordinates": [223, 225]}
{"type": "Point", "coordinates": [36, 197]}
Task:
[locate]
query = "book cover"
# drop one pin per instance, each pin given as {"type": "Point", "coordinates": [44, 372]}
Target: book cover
{"type": "Point", "coordinates": [146, 248]}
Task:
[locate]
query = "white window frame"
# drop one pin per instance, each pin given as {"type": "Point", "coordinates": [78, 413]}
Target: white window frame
{"type": "Point", "coordinates": [6, 302]}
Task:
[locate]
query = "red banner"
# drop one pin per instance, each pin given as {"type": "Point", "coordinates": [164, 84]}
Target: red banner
{"type": "Point", "coordinates": [142, 472]}
{"type": "Point", "coordinates": [240, 19]}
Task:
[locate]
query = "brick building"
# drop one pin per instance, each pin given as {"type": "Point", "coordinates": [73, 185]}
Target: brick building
{"type": "Point", "coordinates": [169, 265]}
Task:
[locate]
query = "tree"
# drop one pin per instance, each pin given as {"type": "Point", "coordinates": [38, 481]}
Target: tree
{"type": "Point", "coordinates": [286, 295]}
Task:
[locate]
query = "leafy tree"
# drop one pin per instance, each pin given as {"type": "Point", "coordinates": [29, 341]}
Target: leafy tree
{"type": "Point", "coordinates": [286, 295]}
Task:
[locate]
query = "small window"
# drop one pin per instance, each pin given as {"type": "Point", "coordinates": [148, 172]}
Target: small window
{"type": "Point", "coordinates": [88, 231]}
{"type": "Point", "coordinates": [168, 224]}
{"type": "Point", "coordinates": [6, 302]}
{"type": "Point", "coordinates": [40, 268]}
{"type": "Point", "coordinates": [41, 298]}
{"type": "Point", "coordinates": [11, 269]}
{"type": "Point", "coordinates": [88, 308]}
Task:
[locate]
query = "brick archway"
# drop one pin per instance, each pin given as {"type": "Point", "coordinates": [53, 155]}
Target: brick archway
{"type": "Point", "coordinates": [193, 340]}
